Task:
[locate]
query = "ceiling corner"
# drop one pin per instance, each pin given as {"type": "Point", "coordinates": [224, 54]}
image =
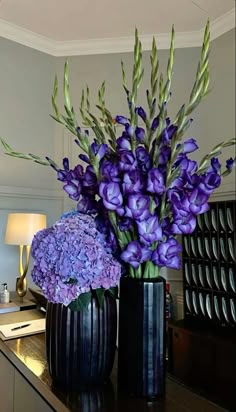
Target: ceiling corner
{"type": "Point", "coordinates": [28, 38]}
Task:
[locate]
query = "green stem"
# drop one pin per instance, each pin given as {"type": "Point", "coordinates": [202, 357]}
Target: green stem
{"type": "Point", "coordinates": [151, 271]}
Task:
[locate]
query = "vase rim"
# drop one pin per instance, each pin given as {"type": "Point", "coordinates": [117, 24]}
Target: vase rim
{"type": "Point", "coordinates": [143, 280]}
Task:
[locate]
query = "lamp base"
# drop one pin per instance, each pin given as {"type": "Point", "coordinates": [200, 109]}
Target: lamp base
{"type": "Point", "coordinates": [21, 287]}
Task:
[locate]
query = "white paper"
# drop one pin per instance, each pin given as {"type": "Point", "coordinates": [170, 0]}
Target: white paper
{"type": "Point", "coordinates": [35, 326]}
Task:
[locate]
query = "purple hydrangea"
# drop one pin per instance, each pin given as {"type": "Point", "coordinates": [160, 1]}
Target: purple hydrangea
{"type": "Point", "coordinates": [71, 257]}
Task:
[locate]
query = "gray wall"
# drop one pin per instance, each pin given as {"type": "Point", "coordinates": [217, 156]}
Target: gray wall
{"type": "Point", "coordinates": [26, 78]}
{"type": "Point", "coordinates": [25, 87]}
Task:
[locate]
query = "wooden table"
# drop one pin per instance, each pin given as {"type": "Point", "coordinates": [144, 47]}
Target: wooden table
{"type": "Point", "coordinates": [27, 355]}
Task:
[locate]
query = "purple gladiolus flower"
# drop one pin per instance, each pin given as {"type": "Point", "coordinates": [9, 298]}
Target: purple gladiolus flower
{"type": "Point", "coordinates": [215, 165]}
{"type": "Point", "coordinates": [88, 205]}
{"type": "Point", "coordinates": [125, 224]}
{"type": "Point", "coordinates": [89, 178]}
{"type": "Point", "coordinates": [185, 164]}
{"type": "Point", "coordinates": [66, 163]}
{"type": "Point", "coordinates": [209, 182]}
{"type": "Point", "coordinates": [197, 202]}
{"type": "Point", "coordinates": [111, 195]}
{"type": "Point", "coordinates": [155, 182]}
{"type": "Point", "coordinates": [184, 223]}
{"type": "Point", "coordinates": [129, 130]}
{"type": "Point", "coordinates": [166, 226]}
{"type": "Point", "coordinates": [73, 189]}
{"type": "Point", "coordinates": [122, 120]}
{"type": "Point", "coordinates": [135, 254]}
{"type": "Point", "coordinates": [123, 143]}
{"type": "Point", "coordinates": [62, 175]}
{"type": "Point", "coordinates": [166, 254]}
{"type": "Point", "coordinates": [140, 134]}
{"type": "Point", "coordinates": [149, 230]}
{"type": "Point", "coordinates": [164, 155]}
{"type": "Point", "coordinates": [127, 161]}
{"type": "Point", "coordinates": [103, 150]}
{"type": "Point", "coordinates": [99, 150]}
{"type": "Point", "coordinates": [176, 197]}
{"type": "Point", "coordinates": [138, 207]}
{"type": "Point", "coordinates": [190, 146]}
{"type": "Point", "coordinates": [230, 163]}
{"type": "Point", "coordinates": [143, 159]}
{"type": "Point", "coordinates": [141, 112]}
{"type": "Point", "coordinates": [178, 183]}
{"type": "Point", "coordinates": [84, 158]}
{"type": "Point", "coordinates": [155, 123]}
{"type": "Point", "coordinates": [194, 202]}
{"type": "Point", "coordinates": [67, 175]}
{"type": "Point", "coordinates": [168, 133]}
{"type": "Point", "coordinates": [111, 242]}
{"type": "Point", "coordinates": [132, 182]}
{"type": "Point", "coordinates": [109, 171]}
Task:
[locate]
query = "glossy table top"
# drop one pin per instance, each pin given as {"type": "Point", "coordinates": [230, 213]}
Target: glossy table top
{"type": "Point", "coordinates": [28, 355]}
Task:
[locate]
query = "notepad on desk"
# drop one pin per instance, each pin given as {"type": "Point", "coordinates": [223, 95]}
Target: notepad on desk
{"type": "Point", "coordinates": [9, 307]}
{"type": "Point", "coordinates": [20, 329]}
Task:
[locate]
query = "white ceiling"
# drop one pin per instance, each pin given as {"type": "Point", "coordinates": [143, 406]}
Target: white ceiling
{"type": "Point", "coordinates": [61, 26]}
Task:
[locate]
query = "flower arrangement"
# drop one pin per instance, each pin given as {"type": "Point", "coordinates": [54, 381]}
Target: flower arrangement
{"type": "Point", "coordinates": [71, 259]}
{"type": "Point", "coordinates": [141, 185]}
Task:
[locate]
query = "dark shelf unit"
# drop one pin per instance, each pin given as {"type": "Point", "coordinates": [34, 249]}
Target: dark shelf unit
{"type": "Point", "coordinates": [209, 262]}
{"type": "Point", "coordinates": [202, 346]}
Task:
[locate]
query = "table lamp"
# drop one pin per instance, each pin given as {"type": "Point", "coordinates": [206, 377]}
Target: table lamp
{"type": "Point", "coordinates": [20, 230]}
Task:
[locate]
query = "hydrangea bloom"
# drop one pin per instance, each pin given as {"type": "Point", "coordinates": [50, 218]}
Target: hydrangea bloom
{"type": "Point", "coordinates": [71, 257]}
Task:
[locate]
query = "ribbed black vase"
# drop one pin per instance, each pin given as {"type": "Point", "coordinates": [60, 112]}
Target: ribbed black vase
{"type": "Point", "coordinates": [141, 351]}
{"type": "Point", "coordinates": [81, 345]}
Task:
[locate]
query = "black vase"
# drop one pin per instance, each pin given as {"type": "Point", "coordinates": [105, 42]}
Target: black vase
{"type": "Point", "coordinates": [81, 345]}
{"type": "Point", "coordinates": [94, 398]}
{"type": "Point", "coordinates": [142, 330]}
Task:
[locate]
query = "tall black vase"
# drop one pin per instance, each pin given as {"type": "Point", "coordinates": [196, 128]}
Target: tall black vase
{"type": "Point", "coordinates": [141, 352]}
{"type": "Point", "coordinates": [81, 345]}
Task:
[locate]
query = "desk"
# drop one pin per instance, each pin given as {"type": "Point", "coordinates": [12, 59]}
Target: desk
{"type": "Point", "coordinates": [27, 356]}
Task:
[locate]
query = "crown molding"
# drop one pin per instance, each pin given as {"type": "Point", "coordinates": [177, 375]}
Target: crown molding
{"type": "Point", "coordinates": [26, 37]}
{"type": "Point", "coordinates": [112, 45]}
{"type": "Point", "coordinates": [223, 24]}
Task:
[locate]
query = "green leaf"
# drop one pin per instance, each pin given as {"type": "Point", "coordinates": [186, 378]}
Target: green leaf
{"type": "Point", "coordinates": [41, 162]}
{"type": "Point", "coordinates": [81, 303]}
{"type": "Point", "coordinates": [66, 86]}
{"type": "Point", "coordinates": [124, 78]}
{"type": "Point", "coordinates": [54, 98]}
{"type": "Point", "coordinates": [6, 146]}
{"type": "Point", "coordinates": [19, 155]}
{"type": "Point", "coordinates": [113, 292]}
{"type": "Point", "coordinates": [216, 151]}
{"type": "Point", "coordinates": [55, 118]}
{"type": "Point", "coordinates": [100, 293]}
{"type": "Point", "coordinates": [53, 164]}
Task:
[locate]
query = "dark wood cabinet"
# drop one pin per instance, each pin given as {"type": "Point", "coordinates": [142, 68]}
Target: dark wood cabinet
{"type": "Point", "coordinates": [204, 361]}
{"type": "Point", "coordinates": [202, 347]}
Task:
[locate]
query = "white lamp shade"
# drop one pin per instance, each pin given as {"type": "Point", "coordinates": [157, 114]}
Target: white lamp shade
{"type": "Point", "coordinates": [21, 227]}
